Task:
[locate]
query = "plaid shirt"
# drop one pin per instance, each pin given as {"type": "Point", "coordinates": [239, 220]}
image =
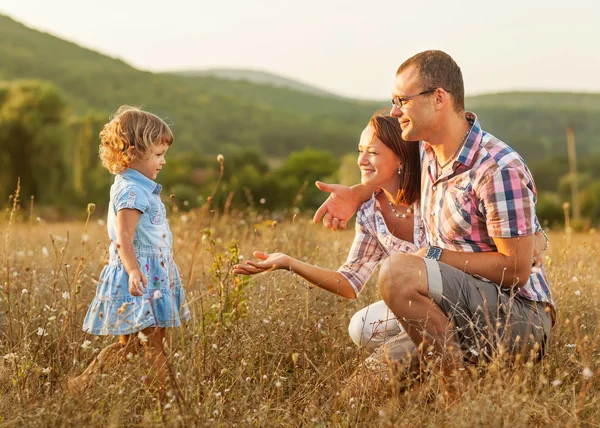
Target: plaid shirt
{"type": "Point", "coordinates": [488, 193]}
{"type": "Point", "coordinates": [374, 242]}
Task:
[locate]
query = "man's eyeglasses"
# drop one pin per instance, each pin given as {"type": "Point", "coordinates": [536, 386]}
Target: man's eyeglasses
{"type": "Point", "coordinates": [400, 101]}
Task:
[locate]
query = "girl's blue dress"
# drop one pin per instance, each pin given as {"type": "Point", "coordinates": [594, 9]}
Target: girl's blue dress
{"type": "Point", "coordinates": [114, 311]}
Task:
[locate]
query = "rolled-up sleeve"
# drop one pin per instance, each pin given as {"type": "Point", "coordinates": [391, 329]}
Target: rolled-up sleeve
{"type": "Point", "coordinates": [508, 197]}
{"type": "Point", "coordinates": [363, 258]}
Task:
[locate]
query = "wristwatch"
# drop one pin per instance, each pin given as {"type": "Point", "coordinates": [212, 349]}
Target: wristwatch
{"type": "Point", "coordinates": [434, 253]}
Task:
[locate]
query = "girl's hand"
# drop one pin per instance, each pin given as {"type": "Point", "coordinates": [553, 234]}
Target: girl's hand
{"type": "Point", "coordinates": [137, 282]}
{"type": "Point", "coordinates": [267, 262]}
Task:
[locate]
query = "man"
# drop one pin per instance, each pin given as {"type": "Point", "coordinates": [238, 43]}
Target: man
{"type": "Point", "coordinates": [473, 288]}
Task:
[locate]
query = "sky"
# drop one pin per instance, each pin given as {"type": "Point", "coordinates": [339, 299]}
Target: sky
{"type": "Point", "coordinates": [351, 48]}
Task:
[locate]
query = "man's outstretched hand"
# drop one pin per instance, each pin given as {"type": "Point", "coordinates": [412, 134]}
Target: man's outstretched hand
{"type": "Point", "coordinates": [339, 207]}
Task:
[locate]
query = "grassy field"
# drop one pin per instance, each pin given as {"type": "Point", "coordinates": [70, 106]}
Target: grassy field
{"type": "Point", "coordinates": [263, 351]}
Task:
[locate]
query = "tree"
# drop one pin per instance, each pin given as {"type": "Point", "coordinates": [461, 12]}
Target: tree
{"type": "Point", "coordinates": [33, 138]}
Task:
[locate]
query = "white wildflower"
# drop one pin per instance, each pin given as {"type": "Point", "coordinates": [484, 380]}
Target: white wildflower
{"type": "Point", "coordinates": [587, 373]}
{"type": "Point", "coordinates": [214, 346]}
{"type": "Point", "coordinates": [570, 345]}
{"type": "Point", "coordinates": [557, 382]}
{"type": "Point", "coordinates": [262, 201]}
{"type": "Point", "coordinates": [52, 318]}
{"type": "Point", "coordinates": [85, 237]}
{"type": "Point", "coordinates": [143, 338]}
{"type": "Point", "coordinates": [45, 252]}
{"type": "Point", "coordinates": [10, 357]}
{"type": "Point", "coordinates": [24, 291]}
{"type": "Point", "coordinates": [574, 279]}
{"type": "Point", "coordinates": [183, 218]}
{"type": "Point", "coordinates": [66, 295]}
{"type": "Point", "coordinates": [86, 344]}
{"type": "Point", "coordinates": [41, 332]}
{"type": "Point", "coordinates": [578, 293]}
{"type": "Point", "coordinates": [277, 384]}
{"type": "Point", "coordinates": [47, 370]}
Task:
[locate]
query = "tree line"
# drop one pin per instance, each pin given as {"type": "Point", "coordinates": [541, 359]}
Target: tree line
{"type": "Point", "coordinates": [55, 155]}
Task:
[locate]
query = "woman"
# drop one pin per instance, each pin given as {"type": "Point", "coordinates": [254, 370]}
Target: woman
{"type": "Point", "coordinates": [385, 224]}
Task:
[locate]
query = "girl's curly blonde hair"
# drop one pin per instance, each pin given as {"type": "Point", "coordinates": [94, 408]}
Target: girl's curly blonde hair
{"type": "Point", "coordinates": [129, 134]}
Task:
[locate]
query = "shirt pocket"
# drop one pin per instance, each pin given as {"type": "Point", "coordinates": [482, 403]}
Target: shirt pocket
{"type": "Point", "coordinates": [157, 211]}
{"type": "Point", "coordinates": [457, 212]}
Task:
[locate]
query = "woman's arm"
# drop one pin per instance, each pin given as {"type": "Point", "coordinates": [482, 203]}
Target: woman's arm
{"type": "Point", "coordinates": [127, 220]}
{"type": "Point", "coordinates": [326, 279]}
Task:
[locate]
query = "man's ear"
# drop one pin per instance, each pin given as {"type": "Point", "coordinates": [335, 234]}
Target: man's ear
{"type": "Point", "coordinates": [441, 98]}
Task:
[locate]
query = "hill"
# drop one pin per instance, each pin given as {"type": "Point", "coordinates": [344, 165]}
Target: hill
{"type": "Point", "coordinates": [545, 100]}
{"type": "Point", "coordinates": [214, 114]}
{"type": "Point", "coordinates": [207, 113]}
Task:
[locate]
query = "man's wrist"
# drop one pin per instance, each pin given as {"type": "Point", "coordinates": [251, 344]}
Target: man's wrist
{"type": "Point", "coordinates": [361, 193]}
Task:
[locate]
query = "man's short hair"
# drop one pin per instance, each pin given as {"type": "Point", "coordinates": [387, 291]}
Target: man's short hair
{"type": "Point", "coordinates": [437, 69]}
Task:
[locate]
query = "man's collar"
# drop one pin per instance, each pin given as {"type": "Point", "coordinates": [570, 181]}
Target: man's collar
{"type": "Point", "coordinates": [141, 180]}
{"type": "Point", "coordinates": [469, 150]}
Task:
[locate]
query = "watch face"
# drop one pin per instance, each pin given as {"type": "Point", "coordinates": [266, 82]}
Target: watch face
{"type": "Point", "coordinates": [434, 253]}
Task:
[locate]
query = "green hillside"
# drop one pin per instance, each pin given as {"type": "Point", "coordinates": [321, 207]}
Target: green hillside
{"type": "Point", "coordinates": [208, 114]}
{"type": "Point", "coordinates": [546, 100]}
{"type": "Point", "coordinates": [214, 114]}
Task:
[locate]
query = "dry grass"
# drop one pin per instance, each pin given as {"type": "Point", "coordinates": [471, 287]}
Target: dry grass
{"type": "Point", "coordinates": [266, 351]}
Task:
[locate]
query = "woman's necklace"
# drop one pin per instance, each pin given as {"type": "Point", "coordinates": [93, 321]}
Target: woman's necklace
{"type": "Point", "coordinates": [441, 167]}
{"type": "Point", "coordinates": [397, 214]}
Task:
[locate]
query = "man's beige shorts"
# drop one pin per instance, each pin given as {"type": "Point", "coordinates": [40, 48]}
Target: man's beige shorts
{"type": "Point", "coordinates": [485, 316]}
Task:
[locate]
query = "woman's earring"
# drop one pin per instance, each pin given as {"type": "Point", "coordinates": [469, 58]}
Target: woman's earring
{"type": "Point", "coordinates": [399, 170]}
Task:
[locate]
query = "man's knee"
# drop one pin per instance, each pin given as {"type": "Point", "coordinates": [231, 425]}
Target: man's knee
{"type": "Point", "coordinates": [397, 276]}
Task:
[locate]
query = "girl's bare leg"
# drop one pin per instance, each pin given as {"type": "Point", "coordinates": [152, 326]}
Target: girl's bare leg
{"type": "Point", "coordinates": [154, 355]}
{"type": "Point", "coordinates": [113, 354]}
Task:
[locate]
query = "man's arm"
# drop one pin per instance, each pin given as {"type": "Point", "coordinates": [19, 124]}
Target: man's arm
{"type": "Point", "coordinates": [341, 204]}
{"type": "Point", "coordinates": [509, 267]}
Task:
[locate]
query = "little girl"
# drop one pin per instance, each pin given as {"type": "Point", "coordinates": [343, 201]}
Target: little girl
{"type": "Point", "coordinates": [139, 291]}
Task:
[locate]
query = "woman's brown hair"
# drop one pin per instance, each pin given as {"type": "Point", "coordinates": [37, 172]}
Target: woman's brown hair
{"type": "Point", "coordinates": [388, 130]}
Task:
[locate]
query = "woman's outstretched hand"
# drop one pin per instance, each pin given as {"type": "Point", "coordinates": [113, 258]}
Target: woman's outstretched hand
{"type": "Point", "coordinates": [266, 262]}
{"type": "Point", "coordinates": [339, 207]}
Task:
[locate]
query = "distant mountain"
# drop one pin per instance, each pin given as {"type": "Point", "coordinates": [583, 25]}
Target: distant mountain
{"type": "Point", "coordinates": [260, 77]}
